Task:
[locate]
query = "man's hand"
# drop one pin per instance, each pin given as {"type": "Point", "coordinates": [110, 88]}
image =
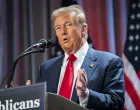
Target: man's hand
{"type": "Point", "coordinates": [13, 84]}
{"type": "Point", "coordinates": [81, 84]}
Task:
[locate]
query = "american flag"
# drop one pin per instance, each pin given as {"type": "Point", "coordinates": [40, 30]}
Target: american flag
{"type": "Point", "coordinates": [131, 58]}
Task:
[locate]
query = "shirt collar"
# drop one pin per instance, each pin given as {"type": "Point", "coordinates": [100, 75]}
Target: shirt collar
{"type": "Point", "coordinates": [81, 53]}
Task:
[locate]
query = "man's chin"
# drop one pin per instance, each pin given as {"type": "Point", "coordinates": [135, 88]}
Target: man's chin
{"type": "Point", "coordinates": [67, 49]}
{"type": "Point", "coordinates": [67, 46]}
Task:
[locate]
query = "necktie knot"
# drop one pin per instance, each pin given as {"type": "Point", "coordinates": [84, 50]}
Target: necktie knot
{"type": "Point", "coordinates": [72, 58]}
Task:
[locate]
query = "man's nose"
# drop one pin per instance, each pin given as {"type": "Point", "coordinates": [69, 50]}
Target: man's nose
{"type": "Point", "coordinates": [63, 30]}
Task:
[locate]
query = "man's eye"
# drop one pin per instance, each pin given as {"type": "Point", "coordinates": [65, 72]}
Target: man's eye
{"type": "Point", "coordinates": [68, 24]}
{"type": "Point", "coordinates": [57, 28]}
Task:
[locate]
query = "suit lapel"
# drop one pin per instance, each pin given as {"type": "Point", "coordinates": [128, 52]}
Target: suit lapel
{"type": "Point", "coordinates": [89, 65]}
{"type": "Point", "coordinates": [54, 73]}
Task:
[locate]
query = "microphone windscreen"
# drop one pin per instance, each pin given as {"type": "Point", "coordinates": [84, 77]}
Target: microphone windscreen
{"type": "Point", "coordinates": [52, 42]}
{"type": "Point", "coordinates": [47, 43]}
{"type": "Point", "coordinates": [43, 43]}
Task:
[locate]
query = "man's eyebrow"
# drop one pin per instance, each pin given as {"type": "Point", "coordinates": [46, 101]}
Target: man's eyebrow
{"type": "Point", "coordinates": [56, 25]}
{"type": "Point", "coordinates": [69, 21]}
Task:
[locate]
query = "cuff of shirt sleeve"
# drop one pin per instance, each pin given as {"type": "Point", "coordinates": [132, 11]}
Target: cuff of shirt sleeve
{"type": "Point", "coordinates": [84, 103]}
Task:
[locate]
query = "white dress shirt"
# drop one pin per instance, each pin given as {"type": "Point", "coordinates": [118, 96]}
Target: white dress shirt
{"type": "Point", "coordinates": [80, 55]}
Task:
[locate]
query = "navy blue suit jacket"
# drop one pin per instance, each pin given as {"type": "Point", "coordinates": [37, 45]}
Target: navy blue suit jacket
{"type": "Point", "coordinates": [105, 79]}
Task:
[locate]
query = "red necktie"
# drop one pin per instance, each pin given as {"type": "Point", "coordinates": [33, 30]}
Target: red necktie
{"type": "Point", "coordinates": [66, 86]}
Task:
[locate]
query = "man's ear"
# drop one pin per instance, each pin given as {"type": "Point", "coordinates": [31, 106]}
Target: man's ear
{"type": "Point", "coordinates": [84, 29]}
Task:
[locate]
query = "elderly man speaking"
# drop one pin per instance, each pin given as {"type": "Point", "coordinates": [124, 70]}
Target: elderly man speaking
{"type": "Point", "coordinates": [92, 78]}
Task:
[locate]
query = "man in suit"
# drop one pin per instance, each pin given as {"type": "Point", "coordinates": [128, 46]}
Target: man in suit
{"type": "Point", "coordinates": [97, 77]}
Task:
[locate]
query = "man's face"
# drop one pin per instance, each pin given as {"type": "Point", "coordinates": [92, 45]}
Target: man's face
{"type": "Point", "coordinates": [69, 33]}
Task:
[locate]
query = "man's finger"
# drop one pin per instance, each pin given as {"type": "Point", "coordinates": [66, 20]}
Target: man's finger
{"type": "Point", "coordinates": [83, 78]}
{"type": "Point", "coordinates": [6, 86]}
{"type": "Point", "coordinates": [80, 83]}
{"type": "Point", "coordinates": [12, 84]}
{"type": "Point", "coordinates": [81, 88]}
{"type": "Point", "coordinates": [84, 75]}
{"type": "Point", "coordinates": [78, 74]}
{"type": "Point", "coordinates": [81, 75]}
{"type": "Point", "coordinates": [28, 82]}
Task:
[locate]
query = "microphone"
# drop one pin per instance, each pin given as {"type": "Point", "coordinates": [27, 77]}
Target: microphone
{"type": "Point", "coordinates": [40, 49]}
{"type": "Point", "coordinates": [45, 43]}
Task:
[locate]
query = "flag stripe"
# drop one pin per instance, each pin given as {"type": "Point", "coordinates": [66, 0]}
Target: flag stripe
{"type": "Point", "coordinates": [124, 108]}
{"type": "Point", "coordinates": [132, 93]}
{"type": "Point", "coordinates": [139, 74]}
{"type": "Point", "coordinates": [131, 75]}
{"type": "Point", "coordinates": [129, 105]}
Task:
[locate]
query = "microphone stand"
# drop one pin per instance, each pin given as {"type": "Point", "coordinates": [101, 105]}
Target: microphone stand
{"type": "Point", "coordinates": [13, 66]}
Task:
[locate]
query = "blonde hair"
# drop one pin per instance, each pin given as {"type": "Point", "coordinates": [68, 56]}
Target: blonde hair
{"type": "Point", "coordinates": [73, 10]}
